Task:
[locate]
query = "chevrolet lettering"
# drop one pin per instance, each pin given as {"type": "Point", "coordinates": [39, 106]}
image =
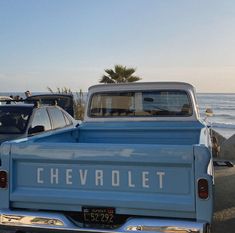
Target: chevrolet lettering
{"type": "Point", "coordinates": [140, 161]}
{"type": "Point", "coordinates": [80, 178]}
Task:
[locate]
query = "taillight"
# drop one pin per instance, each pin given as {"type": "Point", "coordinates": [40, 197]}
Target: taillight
{"type": "Point", "coordinates": [3, 179]}
{"type": "Point", "coordinates": [203, 189]}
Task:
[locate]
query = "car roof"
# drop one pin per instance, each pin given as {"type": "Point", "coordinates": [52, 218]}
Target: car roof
{"type": "Point", "coordinates": [17, 105]}
{"type": "Point", "coordinates": [22, 105]}
{"type": "Point", "coordinates": [52, 96]}
{"type": "Point", "coordinates": [141, 86]}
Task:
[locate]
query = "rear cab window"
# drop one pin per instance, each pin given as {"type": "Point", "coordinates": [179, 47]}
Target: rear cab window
{"type": "Point", "coordinates": [158, 103]}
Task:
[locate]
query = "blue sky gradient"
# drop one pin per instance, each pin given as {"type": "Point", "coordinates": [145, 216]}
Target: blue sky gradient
{"type": "Point", "coordinates": [69, 43]}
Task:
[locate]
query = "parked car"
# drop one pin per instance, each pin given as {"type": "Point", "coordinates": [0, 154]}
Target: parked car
{"type": "Point", "coordinates": [65, 101]}
{"type": "Point", "coordinates": [23, 120]}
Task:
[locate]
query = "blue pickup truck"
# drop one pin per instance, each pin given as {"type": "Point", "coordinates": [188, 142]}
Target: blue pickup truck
{"type": "Point", "coordinates": [140, 162]}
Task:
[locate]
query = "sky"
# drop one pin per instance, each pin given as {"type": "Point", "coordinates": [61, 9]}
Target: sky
{"type": "Point", "coordinates": [69, 43]}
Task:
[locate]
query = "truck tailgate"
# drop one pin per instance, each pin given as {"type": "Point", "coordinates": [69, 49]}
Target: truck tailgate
{"type": "Point", "coordinates": [133, 178]}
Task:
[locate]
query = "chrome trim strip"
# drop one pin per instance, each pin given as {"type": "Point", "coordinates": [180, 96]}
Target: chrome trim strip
{"type": "Point", "coordinates": [57, 221]}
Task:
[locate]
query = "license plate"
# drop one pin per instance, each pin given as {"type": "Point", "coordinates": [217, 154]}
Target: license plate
{"type": "Point", "coordinates": [99, 215]}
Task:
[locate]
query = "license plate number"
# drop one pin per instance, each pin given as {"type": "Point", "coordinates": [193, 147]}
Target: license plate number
{"type": "Point", "coordinates": [92, 215]}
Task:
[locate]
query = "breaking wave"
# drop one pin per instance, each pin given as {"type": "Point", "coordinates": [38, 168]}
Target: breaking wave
{"type": "Point", "coordinates": [223, 125]}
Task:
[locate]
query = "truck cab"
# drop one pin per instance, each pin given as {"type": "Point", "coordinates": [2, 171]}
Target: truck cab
{"type": "Point", "coordinates": [140, 161]}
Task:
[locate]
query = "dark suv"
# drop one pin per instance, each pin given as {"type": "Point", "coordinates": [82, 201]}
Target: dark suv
{"type": "Point", "coordinates": [23, 120]}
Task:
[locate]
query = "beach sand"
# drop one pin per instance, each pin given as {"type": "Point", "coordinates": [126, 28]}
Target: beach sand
{"type": "Point", "coordinates": [224, 204]}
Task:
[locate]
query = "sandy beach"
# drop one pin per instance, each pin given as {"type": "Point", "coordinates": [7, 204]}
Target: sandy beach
{"type": "Point", "coordinates": [224, 205]}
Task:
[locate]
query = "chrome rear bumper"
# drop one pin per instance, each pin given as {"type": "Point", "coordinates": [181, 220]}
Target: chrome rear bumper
{"type": "Point", "coordinates": [57, 222]}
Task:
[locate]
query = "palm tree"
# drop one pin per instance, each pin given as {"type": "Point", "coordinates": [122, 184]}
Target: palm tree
{"type": "Point", "coordinates": [120, 74]}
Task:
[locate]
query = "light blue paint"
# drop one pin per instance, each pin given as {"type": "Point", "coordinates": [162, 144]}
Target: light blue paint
{"type": "Point", "coordinates": [175, 161]}
{"type": "Point", "coordinates": [169, 147]}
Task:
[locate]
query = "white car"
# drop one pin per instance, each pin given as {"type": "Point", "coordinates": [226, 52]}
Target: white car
{"type": "Point", "coordinates": [23, 120]}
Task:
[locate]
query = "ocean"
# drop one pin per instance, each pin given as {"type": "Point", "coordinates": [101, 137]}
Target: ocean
{"type": "Point", "coordinates": [223, 106]}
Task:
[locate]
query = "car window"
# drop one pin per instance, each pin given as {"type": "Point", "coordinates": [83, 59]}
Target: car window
{"type": "Point", "coordinates": [14, 120]}
{"type": "Point", "coordinates": [41, 118]}
{"type": "Point", "coordinates": [57, 118]}
{"type": "Point", "coordinates": [67, 119]}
